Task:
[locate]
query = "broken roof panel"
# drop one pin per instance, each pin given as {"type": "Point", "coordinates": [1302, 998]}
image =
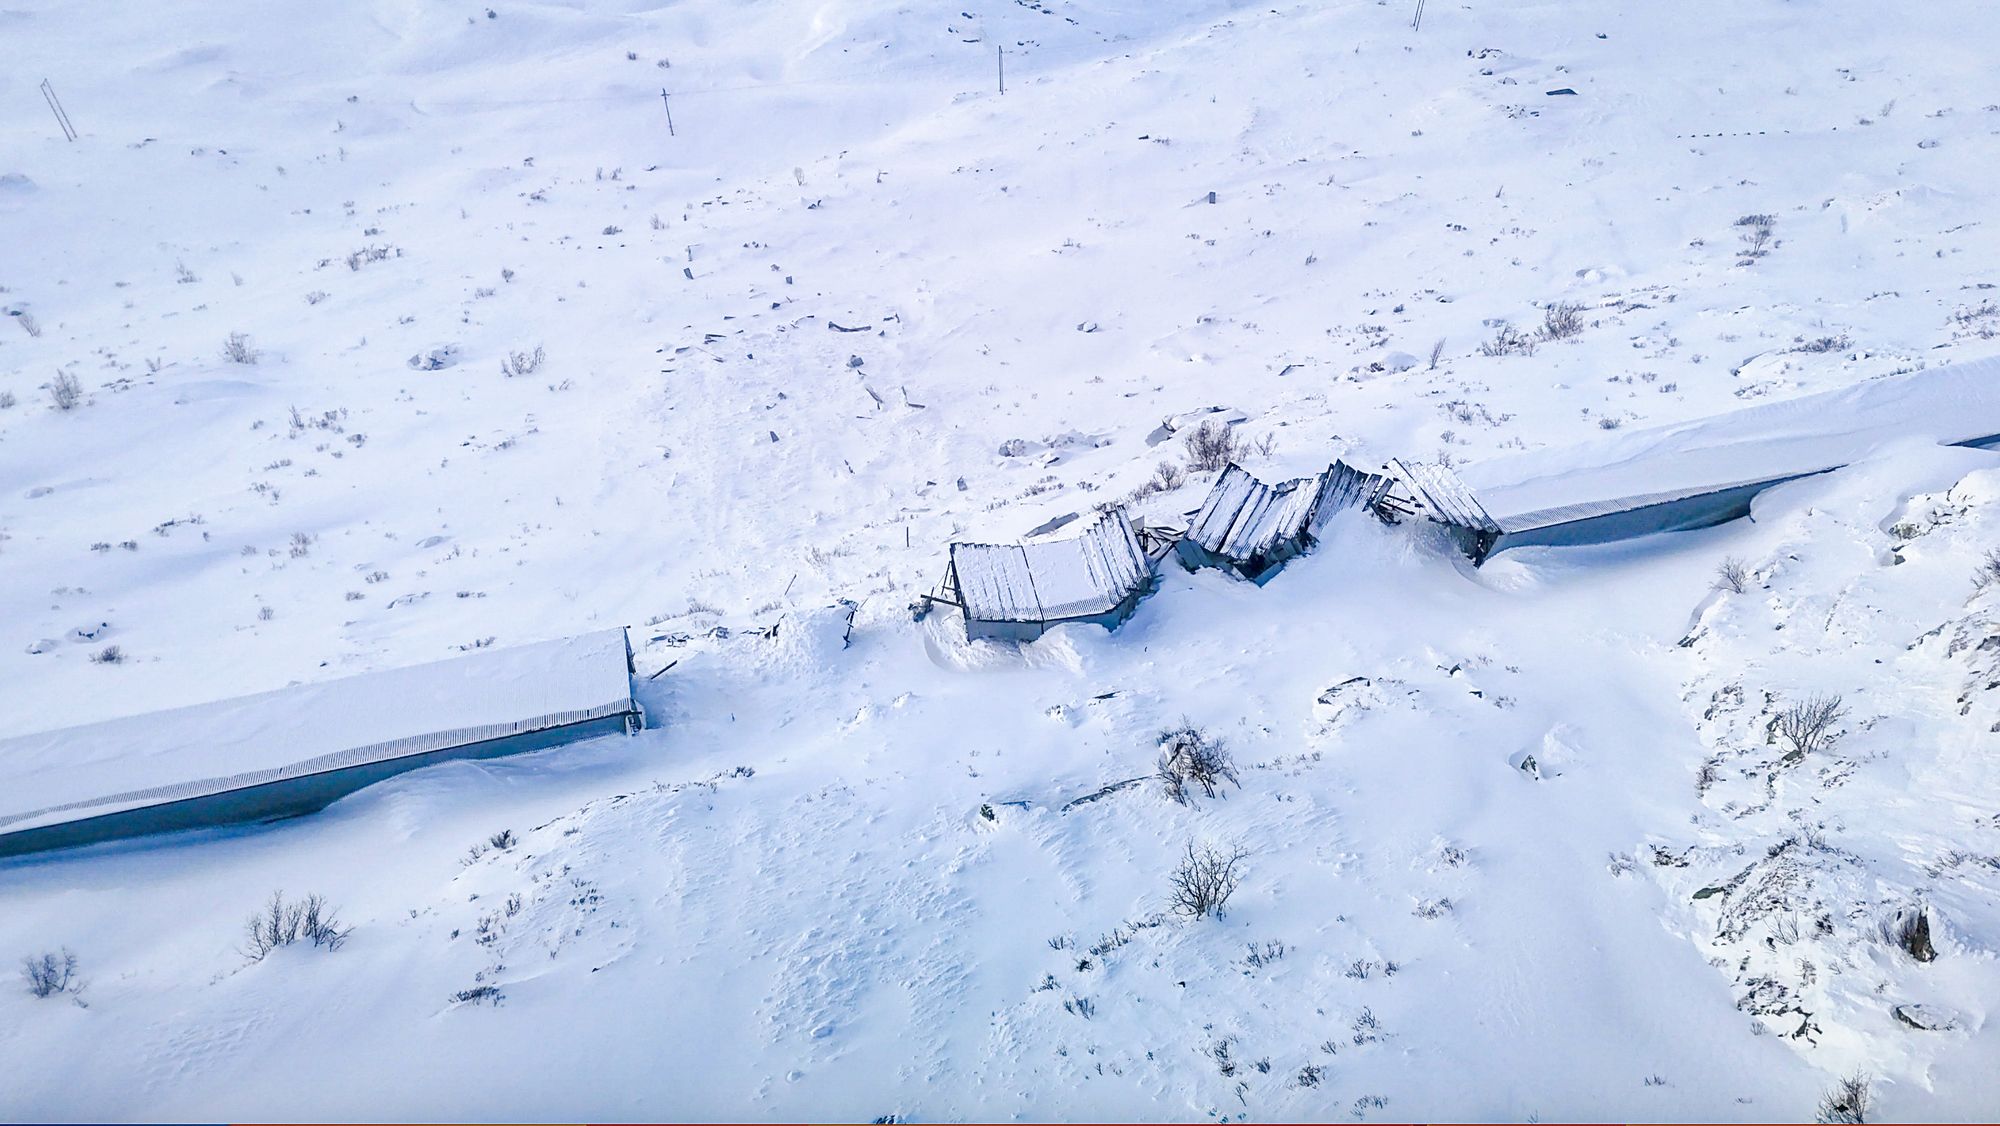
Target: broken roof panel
{"type": "Point", "coordinates": [1051, 580]}
{"type": "Point", "coordinates": [1440, 495]}
{"type": "Point", "coordinates": [1243, 518]}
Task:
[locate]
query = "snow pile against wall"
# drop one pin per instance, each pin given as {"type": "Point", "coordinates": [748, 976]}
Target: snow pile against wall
{"type": "Point", "coordinates": [1957, 404]}
{"type": "Point", "coordinates": [151, 760]}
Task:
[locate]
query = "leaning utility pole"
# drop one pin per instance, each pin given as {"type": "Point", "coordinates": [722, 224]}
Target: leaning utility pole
{"type": "Point", "coordinates": [55, 107]}
{"type": "Point", "coordinates": [1417, 24]}
{"type": "Point", "coordinates": [670, 111]}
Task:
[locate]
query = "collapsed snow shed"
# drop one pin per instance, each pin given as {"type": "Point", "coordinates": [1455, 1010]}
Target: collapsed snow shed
{"type": "Point", "coordinates": [1253, 529]}
{"type": "Point", "coordinates": [1016, 592]}
{"type": "Point", "coordinates": [1433, 492]}
{"type": "Point", "coordinates": [1707, 471]}
{"type": "Point", "coordinates": [298, 749]}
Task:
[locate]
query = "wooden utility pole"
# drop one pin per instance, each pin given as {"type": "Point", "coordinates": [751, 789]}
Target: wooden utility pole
{"type": "Point", "coordinates": [1417, 24]}
{"type": "Point", "coordinates": [1000, 59]}
{"type": "Point", "coordinates": [55, 107]}
{"type": "Point", "coordinates": [670, 110]}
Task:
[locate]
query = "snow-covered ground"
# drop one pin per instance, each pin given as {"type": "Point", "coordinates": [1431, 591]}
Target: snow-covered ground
{"type": "Point", "coordinates": [848, 881]}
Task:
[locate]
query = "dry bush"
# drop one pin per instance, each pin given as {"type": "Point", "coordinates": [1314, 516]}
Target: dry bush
{"type": "Point", "coordinates": [1732, 576]}
{"type": "Point", "coordinates": [522, 363]}
{"type": "Point", "coordinates": [1189, 755]}
{"type": "Point", "coordinates": [237, 350]}
{"type": "Point", "coordinates": [1212, 445]}
{"type": "Point", "coordinates": [65, 392]}
{"type": "Point", "coordinates": [281, 924]}
{"type": "Point", "coordinates": [1562, 320]}
{"type": "Point", "coordinates": [1988, 571]}
{"type": "Point", "coordinates": [1508, 341]}
{"type": "Point", "coordinates": [1205, 879]}
{"type": "Point", "coordinates": [1807, 725]}
{"type": "Point", "coordinates": [1847, 1100]}
{"type": "Point", "coordinates": [1757, 229]}
{"type": "Point", "coordinates": [50, 973]}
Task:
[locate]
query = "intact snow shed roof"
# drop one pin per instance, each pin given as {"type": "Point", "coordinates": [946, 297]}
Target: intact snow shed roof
{"type": "Point", "coordinates": [1956, 404]}
{"type": "Point", "coordinates": [296, 749]}
{"type": "Point", "coordinates": [1051, 580]}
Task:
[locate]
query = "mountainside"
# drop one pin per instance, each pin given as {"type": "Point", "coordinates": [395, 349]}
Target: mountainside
{"type": "Point", "coordinates": [351, 337]}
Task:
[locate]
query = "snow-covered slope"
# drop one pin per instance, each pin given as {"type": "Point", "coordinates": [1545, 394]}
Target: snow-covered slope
{"type": "Point", "coordinates": [526, 365]}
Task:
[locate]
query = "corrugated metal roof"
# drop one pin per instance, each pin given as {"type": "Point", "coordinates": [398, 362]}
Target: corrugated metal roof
{"type": "Point", "coordinates": [1441, 496]}
{"type": "Point", "coordinates": [1243, 518]}
{"type": "Point", "coordinates": [1348, 487]}
{"type": "Point", "coordinates": [1051, 580]}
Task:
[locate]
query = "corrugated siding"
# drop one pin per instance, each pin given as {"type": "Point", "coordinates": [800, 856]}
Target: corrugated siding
{"type": "Point", "coordinates": [1054, 579]}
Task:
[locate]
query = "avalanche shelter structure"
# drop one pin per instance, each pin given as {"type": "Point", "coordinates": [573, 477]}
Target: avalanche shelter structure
{"type": "Point", "coordinates": [296, 750]}
{"type": "Point", "coordinates": [1698, 473]}
{"type": "Point", "coordinates": [1253, 529]}
{"type": "Point", "coordinates": [1017, 591]}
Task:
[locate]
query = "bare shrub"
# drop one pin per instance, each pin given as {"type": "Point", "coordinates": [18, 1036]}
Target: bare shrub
{"type": "Point", "coordinates": [1562, 320]}
{"type": "Point", "coordinates": [522, 363]}
{"type": "Point", "coordinates": [301, 545]}
{"type": "Point", "coordinates": [1167, 476]}
{"type": "Point", "coordinates": [1822, 344]}
{"type": "Point", "coordinates": [502, 840]}
{"type": "Point", "coordinates": [1847, 1100]}
{"type": "Point", "coordinates": [316, 296]}
{"type": "Point", "coordinates": [1731, 575]}
{"type": "Point", "coordinates": [50, 973]}
{"type": "Point", "coordinates": [28, 323]}
{"type": "Point", "coordinates": [1807, 725]}
{"type": "Point", "coordinates": [280, 923]}
{"type": "Point", "coordinates": [1911, 930]}
{"type": "Point", "coordinates": [109, 655]}
{"type": "Point", "coordinates": [489, 994]}
{"type": "Point", "coordinates": [237, 350]}
{"type": "Point", "coordinates": [1190, 755]}
{"type": "Point", "coordinates": [1212, 445]}
{"type": "Point", "coordinates": [1988, 571]}
{"type": "Point", "coordinates": [65, 392]}
{"type": "Point", "coordinates": [1756, 235]}
{"type": "Point", "coordinates": [1508, 341]}
{"type": "Point", "coordinates": [366, 255]}
{"type": "Point", "coordinates": [1205, 879]}
{"type": "Point", "coordinates": [1437, 350]}
{"type": "Point", "coordinates": [6, 400]}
